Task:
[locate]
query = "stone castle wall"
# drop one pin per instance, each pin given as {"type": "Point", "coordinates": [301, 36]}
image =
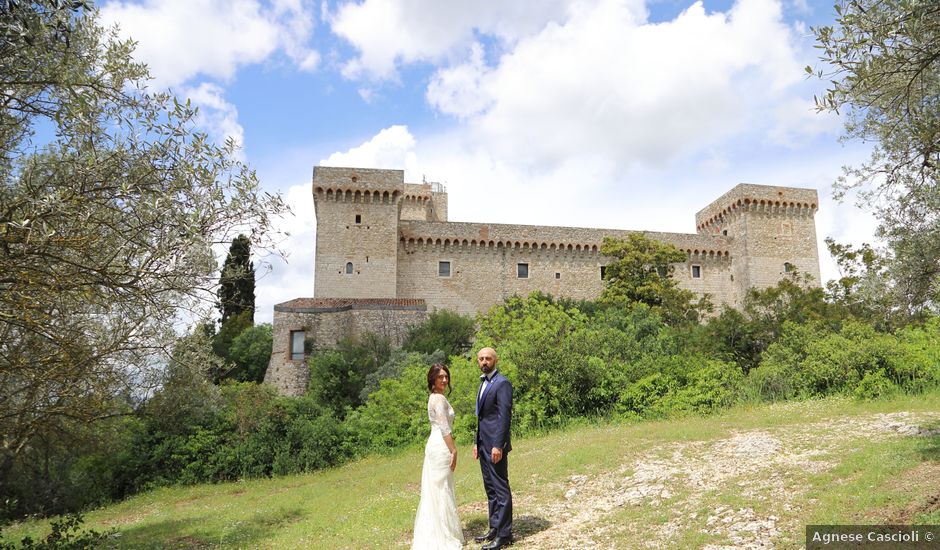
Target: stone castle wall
{"type": "Point", "coordinates": [562, 261]}
{"type": "Point", "coordinates": [326, 321]}
{"type": "Point", "coordinates": [380, 243]}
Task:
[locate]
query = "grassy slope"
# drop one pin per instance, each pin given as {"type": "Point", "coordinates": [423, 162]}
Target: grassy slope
{"type": "Point", "coordinates": [371, 503]}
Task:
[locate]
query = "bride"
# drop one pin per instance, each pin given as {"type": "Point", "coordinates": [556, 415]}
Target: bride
{"type": "Point", "coordinates": [437, 525]}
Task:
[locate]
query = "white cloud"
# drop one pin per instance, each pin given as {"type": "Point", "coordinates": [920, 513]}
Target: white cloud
{"type": "Point", "coordinates": [183, 40]}
{"type": "Point", "coordinates": [606, 82]}
{"type": "Point", "coordinates": [217, 117]}
{"type": "Point", "coordinates": [389, 32]}
{"type": "Point", "coordinates": [390, 148]}
{"type": "Point", "coordinates": [796, 119]}
{"type": "Point", "coordinates": [589, 115]}
{"type": "Point", "coordinates": [290, 277]}
{"type": "Point", "coordinates": [457, 90]}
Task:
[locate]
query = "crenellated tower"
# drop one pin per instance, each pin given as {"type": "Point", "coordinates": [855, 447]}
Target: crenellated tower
{"type": "Point", "coordinates": [771, 232]}
{"type": "Point", "coordinates": [358, 212]}
{"type": "Point", "coordinates": [357, 221]}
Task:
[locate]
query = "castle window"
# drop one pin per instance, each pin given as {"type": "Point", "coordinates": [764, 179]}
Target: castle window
{"type": "Point", "coordinates": [297, 345]}
{"type": "Point", "coordinates": [443, 269]}
{"type": "Point", "coordinates": [522, 271]}
{"type": "Point", "coordinates": [358, 218]}
{"type": "Point", "coordinates": [696, 272]}
{"type": "Point", "coordinates": [349, 268]}
{"type": "Point", "coordinates": [557, 275]}
{"type": "Point", "coordinates": [788, 267]}
{"type": "Point", "coordinates": [724, 232]}
{"type": "Point", "coordinates": [603, 271]}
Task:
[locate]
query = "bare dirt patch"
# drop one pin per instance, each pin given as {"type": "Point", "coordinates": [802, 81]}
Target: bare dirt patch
{"type": "Point", "coordinates": [766, 467]}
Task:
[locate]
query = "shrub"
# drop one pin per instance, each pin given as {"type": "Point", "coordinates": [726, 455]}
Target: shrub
{"type": "Point", "coordinates": [680, 385]}
{"type": "Point", "coordinates": [444, 331]}
{"type": "Point", "coordinates": [250, 352]}
{"type": "Point", "coordinates": [809, 360]}
{"type": "Point", "coordinates": [873, 385]}
{"type": "Point", "coordinates": [337, 377]}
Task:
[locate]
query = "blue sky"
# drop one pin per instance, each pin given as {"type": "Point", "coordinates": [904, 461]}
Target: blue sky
{"type": "Point", "coordinates": [597, 113]}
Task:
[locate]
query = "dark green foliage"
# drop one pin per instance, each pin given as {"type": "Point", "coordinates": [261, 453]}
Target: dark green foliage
{"type": "Point", "coordinates": [565, 365]}
{"type": "Point", "coordinates": [743, 336]}
{"type": "Point", "coordinates": [813, 360]}
{"type": "Point", "coordinates": [866, 288]}
{"type": "Point", "coordinates": [70, 469]}
{"type": "Point", "coordinates": [111, 201]}
{"type": "Point", "coordinates": [338, 376]}
{"type": "Point", "coordinates": [395, 415]}
{"type": "Point", "coordinates": [881, 64]}
{"type": "Point", "coordinates": [395, 365]}
{"type": "Point", "coordinates": [252, 433]}
{"type": "Point", "coordinates": [250, 352]}
{"type": "Point", "coordinates": [444, 331]}
{"type": "Point", "coordinates": [222, 344]}
{"type": "Point", "coordinates": [641, 273]}
{"type": "Point", "coordinates": [681, 384]}
{"type": "Point", "coordinates": [567, 362]}
{"type": "Point", "coordinates": [237, 282]}
{"type": "Point", "coordinates": [186, 396]}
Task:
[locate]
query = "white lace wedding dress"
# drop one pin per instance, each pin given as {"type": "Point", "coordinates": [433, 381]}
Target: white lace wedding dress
{"type": "Point", "coordinates": [436, 524]}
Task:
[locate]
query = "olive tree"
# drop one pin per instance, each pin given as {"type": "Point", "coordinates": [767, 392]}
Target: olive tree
{"type": "Point", "coordinates": [111, 203]}
{"type": "Point", "coordinates": [882, 62]}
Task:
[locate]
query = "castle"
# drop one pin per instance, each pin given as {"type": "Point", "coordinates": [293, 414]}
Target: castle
{"type": "Point", "coordinates": [386, 254]}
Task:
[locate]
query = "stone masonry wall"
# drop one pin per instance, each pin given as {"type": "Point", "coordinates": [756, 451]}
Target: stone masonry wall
{"type": "Point", "coordinates": [325, 322]}
{"type": "Point", "coordinates": [562, 261]}
{"type": "Point", "coordinates": [768, 227]}
{"type": "Point", "coordinates": [481, 277]}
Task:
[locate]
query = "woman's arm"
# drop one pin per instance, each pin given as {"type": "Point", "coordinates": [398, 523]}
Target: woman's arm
{"type": "Point", "coordinates": [449, 441]}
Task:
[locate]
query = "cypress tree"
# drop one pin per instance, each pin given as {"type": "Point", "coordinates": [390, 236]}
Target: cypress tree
{"type": "Point", "coordinates": [237, 282]}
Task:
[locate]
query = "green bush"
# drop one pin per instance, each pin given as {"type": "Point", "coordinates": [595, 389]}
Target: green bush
{"type": "Point", "coordinates": [809, 360]}
{"type": "Point", "coordinates": [66, 534]}
{"type": "Point", "coordinates": [681, 385]}
{"type": "Point", "coordinates": [395, 365]}
{"type": "Point", "coordinates": [338, 376]}
{"type": "Point", "coordinates": [250, 352]}
{"type": "Point", "coordinates": [873, 385]}
{"type": "Point", "coordinates": [445, 331]}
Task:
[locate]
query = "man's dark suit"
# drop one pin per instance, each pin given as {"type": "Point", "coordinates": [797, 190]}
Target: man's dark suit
{"type": "Point", "coordinates": [494, 415]}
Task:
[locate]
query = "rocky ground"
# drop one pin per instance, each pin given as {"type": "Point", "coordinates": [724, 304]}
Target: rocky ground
{"type": "Point", "coordinates": [764, 468]}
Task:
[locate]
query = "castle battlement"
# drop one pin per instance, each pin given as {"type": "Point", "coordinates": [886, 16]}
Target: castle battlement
{"type": "Point", "coordinates": [755, 198]}
{"type": "Point", "coordinates": [537, 238]}
{"type": "Point", "coordinates": [365, 178]}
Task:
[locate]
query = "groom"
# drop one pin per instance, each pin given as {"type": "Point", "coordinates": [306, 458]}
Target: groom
{"type": "Point", "coordinates": [494, 413]}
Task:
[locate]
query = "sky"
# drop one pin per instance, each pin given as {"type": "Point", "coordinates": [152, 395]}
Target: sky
{"type": "Point", "coordinates": [624, 114]}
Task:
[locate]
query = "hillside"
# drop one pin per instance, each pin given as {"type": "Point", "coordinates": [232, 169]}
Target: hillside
{"type": "Point", "coordinates": [752, 477]}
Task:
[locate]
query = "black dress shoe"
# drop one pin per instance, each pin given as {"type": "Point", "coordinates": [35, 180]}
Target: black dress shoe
{"type": "Point", "coordinates": [490, 535]}
{"type": "Point", "coordinates": [498, 543]}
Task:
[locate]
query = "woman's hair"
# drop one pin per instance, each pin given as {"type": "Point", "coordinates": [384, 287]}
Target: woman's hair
{"type": "Point", "coordinates": [436, 369]}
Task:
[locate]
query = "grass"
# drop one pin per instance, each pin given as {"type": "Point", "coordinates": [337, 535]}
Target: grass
{"type": "Point", "coordinates": [371, 503]}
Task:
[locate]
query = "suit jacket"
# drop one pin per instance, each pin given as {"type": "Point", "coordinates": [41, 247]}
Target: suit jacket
{"type": "Point", "coordinates": [494, 415]}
